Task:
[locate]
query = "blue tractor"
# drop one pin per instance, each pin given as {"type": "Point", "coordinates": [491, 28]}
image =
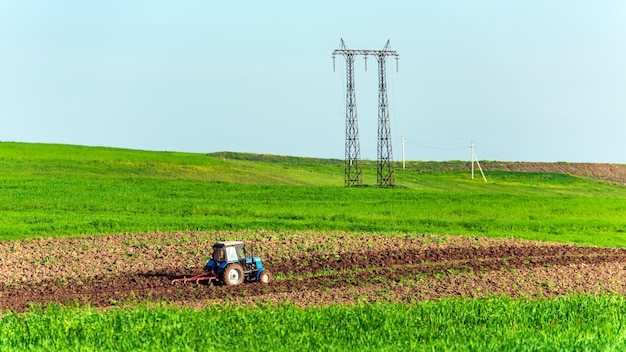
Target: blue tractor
{"type": "Point", "coordinates": [230, 266]}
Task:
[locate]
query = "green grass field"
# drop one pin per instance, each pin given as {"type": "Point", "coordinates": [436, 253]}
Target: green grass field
{"type": "Point", "coordinates": [59, 190]}
{"type": "Point", "coordinates": [56, 190]}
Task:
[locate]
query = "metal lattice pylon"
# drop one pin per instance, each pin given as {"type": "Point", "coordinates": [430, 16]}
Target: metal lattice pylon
{"type": "Point", "coordinates": [353, 176]}
{"type": "Point", "coordinates": [384, 165]}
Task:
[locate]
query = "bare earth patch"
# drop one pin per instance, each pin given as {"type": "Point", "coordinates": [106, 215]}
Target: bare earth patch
{"type": "Point", "coordinates": [310, 268]}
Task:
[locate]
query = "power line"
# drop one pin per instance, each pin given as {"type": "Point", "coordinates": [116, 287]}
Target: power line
{"type": "Point", "coordinates": [498, 152]}
{"type": "Point", "coordinates": [442, 146]}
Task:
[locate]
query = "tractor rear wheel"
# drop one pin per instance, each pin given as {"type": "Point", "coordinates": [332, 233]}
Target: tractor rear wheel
{"type": "Point", "coordinates": [233, 275]}
{"type": "Point", "coordinates": [265, 277]}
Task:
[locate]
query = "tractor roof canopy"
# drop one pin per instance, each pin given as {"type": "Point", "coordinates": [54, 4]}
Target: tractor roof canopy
{"type": "Point", "coordinates": [223, 244]}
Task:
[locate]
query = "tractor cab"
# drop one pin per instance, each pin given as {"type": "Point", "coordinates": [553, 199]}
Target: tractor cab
{"type": "Point", "coordinates": [229, 251]}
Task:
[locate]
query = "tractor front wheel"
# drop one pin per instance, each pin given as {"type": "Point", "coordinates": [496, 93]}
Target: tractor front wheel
{"type": "Point", "coordinates": [233, 275]}
{"type": "Point", "coordinates": [265, 277]}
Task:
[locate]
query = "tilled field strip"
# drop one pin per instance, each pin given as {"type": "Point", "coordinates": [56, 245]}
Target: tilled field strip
{"type": "Point", "coordinates": [453, 258]}
{"type": "Point", "coordinates": [404, 271]}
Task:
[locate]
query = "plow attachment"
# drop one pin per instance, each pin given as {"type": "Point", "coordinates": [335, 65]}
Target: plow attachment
{"type": "Point", "coordinates": [205, 276]}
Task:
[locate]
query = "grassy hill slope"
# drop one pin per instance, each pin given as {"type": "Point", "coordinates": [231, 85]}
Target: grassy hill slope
{"type": "Point", "coordinates": [61, 190]}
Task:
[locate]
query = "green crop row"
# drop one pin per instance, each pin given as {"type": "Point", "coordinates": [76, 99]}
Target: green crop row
{"type": "Point", "coordinates": [573, 323]}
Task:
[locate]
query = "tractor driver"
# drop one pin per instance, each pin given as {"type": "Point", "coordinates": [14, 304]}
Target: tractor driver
{"type": "Point", "coordinates": [218, 255]}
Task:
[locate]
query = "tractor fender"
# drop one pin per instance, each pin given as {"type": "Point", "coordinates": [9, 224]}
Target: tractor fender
{"type": "Point", "coordinates": [210, 265]}
{"type": "Point", "coordinates": [221, 267]}
{"type": "Point", "coordinates": [258, 274]}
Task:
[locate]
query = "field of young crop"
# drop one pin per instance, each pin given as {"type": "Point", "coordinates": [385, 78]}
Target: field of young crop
{"type": "Point", "coordinates": [526, 261]}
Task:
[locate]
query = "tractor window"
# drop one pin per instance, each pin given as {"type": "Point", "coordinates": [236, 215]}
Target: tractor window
{"type": "Point", "coordinates": [240, 253]}
{"type": "Point", "coordinates": [218, 254]}
{"type": "Point", "coordinates": [231, 254]}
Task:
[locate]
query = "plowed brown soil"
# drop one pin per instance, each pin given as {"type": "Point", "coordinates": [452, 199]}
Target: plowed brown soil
{"type": "Point", "coordinates": [608, 172]}
{"type": "Point", "coordinates": [309, 269]}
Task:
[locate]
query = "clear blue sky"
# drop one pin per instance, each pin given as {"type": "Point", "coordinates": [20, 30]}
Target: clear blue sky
{"type": "Point", "coordinates": [526, 80]}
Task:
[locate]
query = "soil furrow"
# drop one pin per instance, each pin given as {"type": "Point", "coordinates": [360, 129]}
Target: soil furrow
{"type": "Point", "coordinates": [359, 271]}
